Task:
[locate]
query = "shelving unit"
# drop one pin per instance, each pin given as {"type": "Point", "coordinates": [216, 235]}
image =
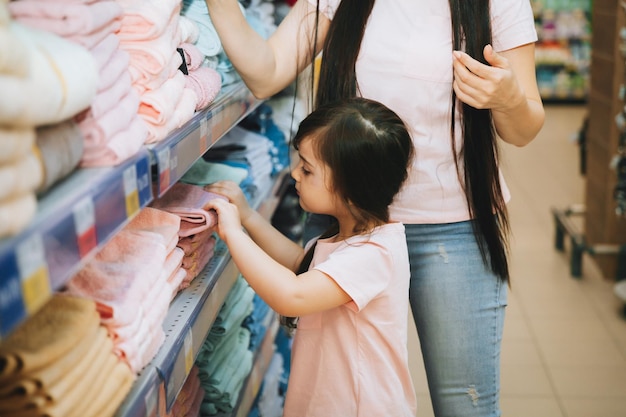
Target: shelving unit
{"type": "Point", "coordinates": [190, 317]}
{"type": "Point", "coordinates": [79, 215]}
{"type": "Point", "coordinates": [563, 52]}
{"type": "Point", "coordinates": [74, 219]}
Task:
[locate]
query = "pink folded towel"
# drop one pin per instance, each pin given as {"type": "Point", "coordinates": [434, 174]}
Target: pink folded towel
{"type": "Point", "coordinates": [69, 18]}
{"type": "Point", "coordinates": [206, 83]}
{"type": "Point", "coordinates": [187, 201]}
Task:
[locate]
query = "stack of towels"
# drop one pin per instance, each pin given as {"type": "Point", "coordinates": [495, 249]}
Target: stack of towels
{"type": "Point", "coordinates": [133, 279]}
{"type": "Point", "coordinates": [60, 363]}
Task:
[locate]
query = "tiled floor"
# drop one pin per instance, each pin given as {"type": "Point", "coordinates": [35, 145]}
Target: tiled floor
{"type": "Point", "coordinates": [564, 348]}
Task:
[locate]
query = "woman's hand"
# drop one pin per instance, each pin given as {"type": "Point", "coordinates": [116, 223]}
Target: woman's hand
{"type": "Point", "coordinates": [493, 86]}
{"type": "Point", "coordinates": [233, 192]}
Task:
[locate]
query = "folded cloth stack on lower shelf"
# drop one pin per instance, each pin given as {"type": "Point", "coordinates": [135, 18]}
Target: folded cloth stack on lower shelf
{"type": "Point", "coordinates": [224, 360]}
{"type": "Point", "coordinates": [60, 363]}
{"type": "Point", "coordinates": [269, 402]}
{"type": "Point", "coordinates": [45, 80]}
{"type": "Point", "coordinates": [133, 279]}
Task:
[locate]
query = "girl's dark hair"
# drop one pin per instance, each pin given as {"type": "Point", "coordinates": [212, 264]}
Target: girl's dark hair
{"type": "Point", "coordinates": [368, 150]}
{"type": "Point", "coordinates": [471, 31]}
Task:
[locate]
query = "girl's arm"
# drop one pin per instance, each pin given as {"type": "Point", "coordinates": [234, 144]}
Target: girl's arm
{"type": "Point", "coordinates": [285, 292]}
{"type": "Point", "coordinates": [267, 66]}
{"type": "Point", "coordinates": [273, 242]}
{"type": "Point", "coordinates": [508, 87]}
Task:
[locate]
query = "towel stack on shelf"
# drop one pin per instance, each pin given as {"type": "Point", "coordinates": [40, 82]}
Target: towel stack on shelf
{"type": "Point", "coordinates": [61, 364]}
{"type": "Point", "coordinates": [62, 77]}
{"type": "Point", "coordinates": [133, 280]}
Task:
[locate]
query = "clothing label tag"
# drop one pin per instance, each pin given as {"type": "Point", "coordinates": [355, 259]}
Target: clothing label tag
{"type": "Point", "coordinates": [183, 67]}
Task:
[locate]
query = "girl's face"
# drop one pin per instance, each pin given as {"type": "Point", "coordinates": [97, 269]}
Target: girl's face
{"type": "Point", "coordinates": [313, 182]}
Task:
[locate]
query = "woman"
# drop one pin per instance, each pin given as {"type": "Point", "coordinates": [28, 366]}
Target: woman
{"type": "Point", "coordinates": [460, 74]}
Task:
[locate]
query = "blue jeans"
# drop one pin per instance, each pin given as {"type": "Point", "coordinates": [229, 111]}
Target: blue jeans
{"type": "Point", "coordinates": [458, 306]}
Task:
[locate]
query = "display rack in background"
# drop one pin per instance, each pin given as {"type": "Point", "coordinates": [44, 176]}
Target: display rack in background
{"type": "Point", "coordinates": [603, 231]}
{"type": "Point", "coordinates": [563, 52]}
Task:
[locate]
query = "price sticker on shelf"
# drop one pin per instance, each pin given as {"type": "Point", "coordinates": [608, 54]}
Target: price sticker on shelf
{"type": "Point", "coordinates": [188, 347]}
{"type": "Point", "coordinates": [204, 133]}
{"type": "Point", "coordinates": [31, 262]}
{"type": "Point", "coordinates": [152, 400]}
{"type": "Point", "coordinates": [216, 124]}
{"type": "Point", "coordinates": [85, 224]}
{"type": "Point", "coordinates": [130, 190]}
{"type": "Point", "coordinates": [164, 169]}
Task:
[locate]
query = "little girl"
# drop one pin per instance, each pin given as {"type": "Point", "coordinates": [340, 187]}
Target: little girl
{"type": "Point", "coordinates": [349, 289]}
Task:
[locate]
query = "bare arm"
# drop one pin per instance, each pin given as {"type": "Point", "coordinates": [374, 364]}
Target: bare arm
{"type": "Point", "coordinates": [508, 87]}
{"type": "Point", "coordinates": [267, 66]}
{"type": "Point", "coordinates": [273, 242]}
{"type": "Point", "coordinates": [284, 291]}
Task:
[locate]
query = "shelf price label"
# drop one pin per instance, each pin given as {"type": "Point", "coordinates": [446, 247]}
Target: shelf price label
{"type": "Point", "coordinates": [163, 157]}
{"type": "Point", "coordinates": [33, 269]}
{"type": "Point", "coordinates": [151, 400]}
{"type": "Point", "coordinates": [130, 190]}
{"type": "Point", "coordinates": [85, 224]}
{"type": "Point", "coordinates": [216, 124]}
{"type": "Point", "coordinates": [188, 351]}
{"type": "Point", "coordinates": [204, 133]}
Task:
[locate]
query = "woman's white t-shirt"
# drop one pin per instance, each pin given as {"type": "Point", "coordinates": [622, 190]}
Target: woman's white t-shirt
{"type": "Point", "coordinates": [405, 62]}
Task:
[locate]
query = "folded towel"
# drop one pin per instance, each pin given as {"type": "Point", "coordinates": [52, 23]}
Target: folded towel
{"type": "Point", "coordinates": [18, 393]}
{"type": "Point", "coordinates": [206, 83]}
{"type": "Point", "coordinates": [187, 201]}
{"type": "Point", "coordinates": [60, 148]}
{"type": "Point", "coordinates": [204, 172]}
{"type": "Point", "coordinates": [15, 142]}
{"type": "Point", "coordinates": [46, 336]}
{"type": "Point", "coordinates": [158, 221]}
{"type": "Point", "coordinates": [147, 20]}
{"type": "Point", "coordinates": [121, 274]}
{"type": "Point", "coordinates": [189, 31]}
{"type": "Point", "coordinates": [119, 148]}
{"type": "Point", "coordinates": [69, 18]}
{"type": "Point", "coordinates": [24, 175]}
{"type": "Point", "coordinates": [62, 77]}
{"type": "Point", "coordinates": [14, 56]}
{"type": "Point", "coordinates": [110, 396]}
{"type": "Point", "coordinates": [190, 244]}
{"type": "Point", "coordinates": [113, 69]}
{"type": "Point", "coordinates": [16, 213]}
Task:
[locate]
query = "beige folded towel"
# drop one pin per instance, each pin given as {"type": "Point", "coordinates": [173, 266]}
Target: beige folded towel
{"type": "Point", "coordinates": [15, 142]}
{"type": "Point", "coordinates": [60, 149]}
{"type": "Point", "coordinates": [21, 176]}
{"type": "Point", "coordinates": [46, 336]}
{"type": "Point", "coordinates": [15, 214]}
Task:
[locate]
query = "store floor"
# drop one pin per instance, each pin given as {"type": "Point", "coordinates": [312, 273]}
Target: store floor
{"type": "Point", "coordinates": [564, 348]}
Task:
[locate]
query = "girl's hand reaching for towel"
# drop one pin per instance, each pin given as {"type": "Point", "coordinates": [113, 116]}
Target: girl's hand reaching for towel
{"type": "Point", "coordinates": [233, 192]}
{"type": "Point", "coordinates": [227, 218]}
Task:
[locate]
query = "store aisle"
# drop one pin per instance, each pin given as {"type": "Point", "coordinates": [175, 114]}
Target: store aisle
{"type": "Point", "coordinates": [564, 348]}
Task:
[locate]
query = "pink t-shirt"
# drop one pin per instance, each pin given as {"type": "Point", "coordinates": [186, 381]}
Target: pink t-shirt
{"type": "Point", "coordinates": [405, 62]}
{"type": "Point", "coordinates": [352, 361]}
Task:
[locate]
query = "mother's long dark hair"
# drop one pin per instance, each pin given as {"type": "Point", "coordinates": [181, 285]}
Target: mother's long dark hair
{"type": "Point", "coordinates": [471, 29]}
